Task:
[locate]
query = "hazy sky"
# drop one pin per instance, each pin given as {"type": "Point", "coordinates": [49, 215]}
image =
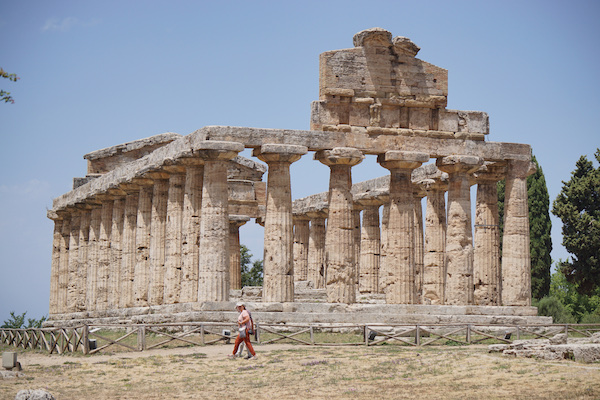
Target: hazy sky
{"type": "Point", "coordinates": [98, 73]}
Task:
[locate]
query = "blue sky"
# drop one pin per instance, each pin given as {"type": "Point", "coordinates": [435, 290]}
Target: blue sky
{"type": "Point", "coordinates": [95, 74]}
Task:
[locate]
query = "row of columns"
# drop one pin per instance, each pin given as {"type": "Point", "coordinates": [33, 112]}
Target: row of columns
{"type": "Point", "coordinates": [166, 237]}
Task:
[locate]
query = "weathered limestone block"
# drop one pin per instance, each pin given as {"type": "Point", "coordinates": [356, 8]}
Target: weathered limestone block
{"type": "Point", "coordinates": [459, 237]}
{"type": "Point", "coordinates": [370, 247]}
{"type": "Point", "coordinates": [173, 235]}
{"type": "Point", "coordinates": [301, 239]}
{"type": "Point", "coordinates": [235, 271]}
{"type": "Point", "coordinates": [339, 239]}
{"type": "Point", "coordinates": [486, 265]}
{"type": "Point", "coordinates": [104, 254]}
{"type": "Point", "coordinates": [399, 280]}
{"type": "Point", "coordinates": [157, 237]}
{"type": "Point", "coordinates": [115, 290]}
{"type": "Point", "coordinates": [434, 270]}
{"type": "Point", "coordinates": [213, 271]}
{"type": "Point", "coordinates": [71, 301]}
{"type": "Point", "coordinates": [316, 249]}
{"type": "Point", "coordinates": [141, 278]}
{"type": "Point", "coordinates": [127, 298]}
{"type": "Point", "coordinates": [278, 278]}
{"type": "Point", "coordinates": [516, 261]}
{"type": "Point", "coordinates": [190, 239]}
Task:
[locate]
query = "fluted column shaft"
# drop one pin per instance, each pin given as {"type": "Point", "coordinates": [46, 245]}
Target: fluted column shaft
{"type": "Point", "coordinates": [127, 298]}
{"type": "Point", "coordinates": [459, 236]}
{"type": "Point", "coordinates": [104, 255]}
{"type": "Point", "coordinates": [213, 271]}
{"type": "Point", "coordinates": [357, 234]}
{"type": "Point", "coordinates": [190, 240]}
{"type": "Point", "coordinates": [516, 261]}
{"type": "Point", "coordinates": [385, 219]}
{"type": "Point", "coordinates": [434, 270]}
{"type": "Point", "coordinates": [82, 259]}
{"type": "Point", "coordinates": [63, 270]}
{"type": "Point", "coordinates": [316, 250]}
{"type": "Point", "coordinates": [73, 262]}
{"type": "Point", "coordinates": [93, 258]}
{"type": "Point", "coordinates": [340, 279]}
{"type": "Point", "coordinates": [141, 278]}
{"type": "Point", "coordinates": [278, 267]}
{"type": "Point", "coordinates": [173, 246]}
{"type": "Point", "coordinates": [157, 239]}
{"type": "Point", "coordinates": [370, 248]}
{"type": "Point", "coordinates": [301, 239]}
{"type": "Point", "coordinates": [419, 255]}
{"type": "Point", "coordinates": [235, 263]}
{"type": "Point", "coordinates": [55, 266]}
{"type": "Point", "coordinates": [115, 291]}
{"type": "Point", "coordinates": [399, 280]}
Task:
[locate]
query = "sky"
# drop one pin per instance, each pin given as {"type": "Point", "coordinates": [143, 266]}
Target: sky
{"type": "Point", "coordinates": [94, 74]}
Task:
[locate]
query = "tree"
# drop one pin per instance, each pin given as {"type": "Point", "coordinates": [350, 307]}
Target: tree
{"type": "Point", "coordinates": [578, 207]}
{"type": "Point", "coordinates": [540, 225]}
{"type": "Point", "coordinates": [252, 274]}
{"type": "Point", "coordinates": [18, 321]}
{"type": "Point", "coordinates": [4, 95]}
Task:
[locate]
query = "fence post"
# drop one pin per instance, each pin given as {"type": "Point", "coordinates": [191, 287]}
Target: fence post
{"type": "Point", "coordinates": [518, 333]}
{"type": "Point", "coordinates": [142, 338]}
{"type": "Point", "coordinates": [202, 334]}
{"type": "Point", "coordinates": [85, 335]}
{"type": "Point", "coordinates": [418, 335]}
{"type": "Point", "coordinates": [468, 334]}
{"type": "Point", "coordinates": [257, 333]}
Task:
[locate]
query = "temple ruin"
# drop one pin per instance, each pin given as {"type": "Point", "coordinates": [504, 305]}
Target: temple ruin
{"type": "Point", "coordinates": [152, 232]}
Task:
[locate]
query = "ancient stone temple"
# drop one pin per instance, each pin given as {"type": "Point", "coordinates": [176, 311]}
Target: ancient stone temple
{"type": "Point", "coordinates": [152, 232]}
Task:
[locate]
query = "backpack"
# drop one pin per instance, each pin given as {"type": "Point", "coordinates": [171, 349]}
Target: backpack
{"type": "Point", "coordinates": [251, 329]}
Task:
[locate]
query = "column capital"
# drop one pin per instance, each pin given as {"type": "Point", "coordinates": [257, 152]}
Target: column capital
{"type": "Point", "coordinates": [214, 150]}
{"type": "Point", "coordinates": [238, 220]}
{"type": "Point", "coordinates": [490, 172]}
{"type": "Point", "coordinates": [396, 159]}
{"type": "Point", "coordinates": [520, 169]}
{"type": "Point", "coordinates": [457, 164]}
{"type": "Point", "coordinates": [439, 183]}
{"type": "Point", "coordinates": [279, 152]}
{"type": "Point", "coordinates": [321, 214]}
{"type": "Point", "coordinates": [174, 169]}
{"type": "Point", "coordinates": [340, 156]}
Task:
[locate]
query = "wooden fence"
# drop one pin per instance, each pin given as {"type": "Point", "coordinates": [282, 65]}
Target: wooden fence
{"type": "Point", "coordinates": [90, 339]}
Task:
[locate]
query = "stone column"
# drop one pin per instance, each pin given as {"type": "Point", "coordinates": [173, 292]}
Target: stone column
{"type": "Point", "coordinates": [55, 266]}
{"type": "Point", "coordinates": [357, 234]}
{"type": "Point", "coordinates": [235, 263]}
{"type": "Point", "coordinates": [400, 254]}
{"type": "Point", "coordinates": [370, 247]}
{"type": "Point", "coordinates": [278, 270]}
{"type": "Point", "coordinates": [82, 258]}
{"type": "Point", "coordinates": [104, 253]}
{"type": "Point", "coordinates": [141, 280]}
{"type": "Point", "coordinates": [301, 238]}
{"type": "Point", "coordinates": [174, 225]}
{"type": "Point", "coordinates": [419, 255]}
{"type": "Point", "coordinates": [459, 237]}
{"type": "Point", "coordinates": [93, 257]}
{"type": "Point", "coordinates": [63, 269]}
{"type": "Point", "coordinates": [385, 219]}
{"type": "Point", "coordinates": [157, 237]}
{"type": "Point", "coordinates": [516, 261]}
{"type": "Point", "coordinates": [132, 198]}
{"type": "Point", "coordinates": [434, 270]}
{"type": "Point", "coordinates": [73, 261]}
{"type": "Point", "coordinates": [190, 239]}
{"type": "Point", "coordinates": [486, 264]}
{"type": "Point", "coordinates": [339, 238]}
{"type": "Point", "coordinates": [213, 271]}
{"type": "Point", "coordinates": [115, 289]}
{"type": "Point", "coordinates": [316, 249]}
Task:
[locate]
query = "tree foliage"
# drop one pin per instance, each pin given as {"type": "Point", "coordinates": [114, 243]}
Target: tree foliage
{"type": "Point", "coordinates": [17, 321]}
{"type": "Point", "coordinates": [4, 95]}
{"type": "Point", "coordinates": [578, 207]}
{"type": "Point", "coordinates": [540, 226]}
{"type": "Point", "coordinates": [252, 272]}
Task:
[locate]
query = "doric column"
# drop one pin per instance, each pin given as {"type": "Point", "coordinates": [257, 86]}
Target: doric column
{"type": "Point", "coordinates": [434, 271]}
{"type": "Point", "coordinates": [357, 234]}
{"type": "Point", "coordinates": [516, 261]}
{"type": "Point", "coordinates": [63, 271]}
{"type": "Point", "coordinates": [301, 238]}
{"type": "Point", "coordinates": [235, 271]}
{"type": "Point", "coordinates": [400, 254]}
{"type": "Point", "coordinates": [82, 258]}
{"type": "Point", "coordinates": [115, 289]}
{"type": "Point", "coordinates": [459, 237]}
{"type": "Point", "coordinates": [73, 261]}
{"type": "Point", "coordinates": [104, 253]}
{"type": "Point", "coordinates": [385, 219]}
{"type": "Point", "coordinates": [132, 198]}
{"type": "Point", "coordinates": [339, 238]}
{"type": "Point", "coordinates": [370, 247]}
{"type": "Point", "coordinates": [278, 270]}
{"type": "Point", "coordinates": [55, 266]}
{"type": "Point", "coordinates": [93, 257]}
{"type": "Point", "coordinates": [419, 256]}
{"type": "Point", "coordinates": [486, 264]}
{"type": "Point", "coordinates": [141, 280]}
{"type": "Point", "coordinates": [157, 237]}
{"type": "Point", "coordinates": [173, 236]}
{"type": "Point", "coordinates": [190, 238]}
{"type": "Point", "coordinates": [316, 249]}
{"type": "Point", "coordinates": [213, 271]}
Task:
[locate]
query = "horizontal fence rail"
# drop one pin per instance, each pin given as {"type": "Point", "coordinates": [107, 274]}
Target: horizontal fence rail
{"type": "Point", "coordinates": [140, 337]}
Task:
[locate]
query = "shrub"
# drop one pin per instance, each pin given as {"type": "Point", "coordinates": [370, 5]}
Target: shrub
{"type": "Point", "coordinates": [552, 307]}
